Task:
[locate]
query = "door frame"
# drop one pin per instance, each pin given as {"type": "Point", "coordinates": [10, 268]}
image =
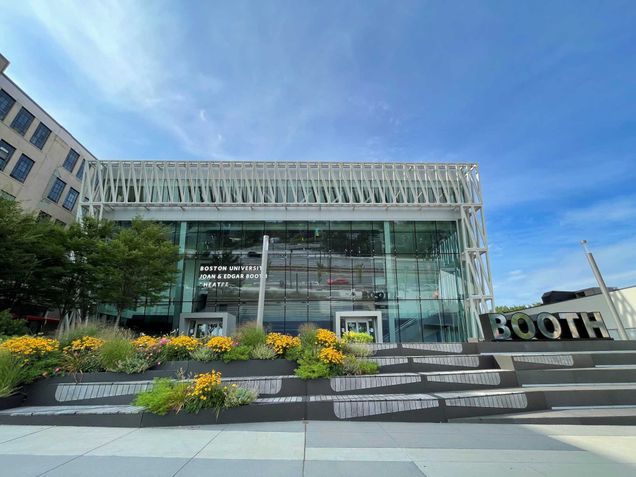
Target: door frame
{"type": "Point", "coordinates": [376, 316]}
{"type": "Point", "coordinates": [227, 319]}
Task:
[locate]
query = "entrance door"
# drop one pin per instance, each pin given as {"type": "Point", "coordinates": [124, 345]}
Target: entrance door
{"type": "Point", "coordinates": [358, 325]}
{"type": "Point", "coordinates": [205, 327]}
{"type": "Point", "coordinates": [359, 321]}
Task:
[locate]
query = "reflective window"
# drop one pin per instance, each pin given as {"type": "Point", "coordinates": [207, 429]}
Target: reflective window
{"type": "Point", "coordinates": [40, 136]}
{"type": "Point", "coordinates": [70, 200]}
{"type": "Point", "coordinates": [410, 272]}
{"type": "Point", "coordinates": [22, 168]}
{"type": "Point", "coordinates": [71, 160]}
{"type": "Point", "coordinates": [56, 190]}
{"type": "Point", "coordinates": [80, 171]}
{"type": "Point", "coordinates": [22, 121]}
{"type": "Point", "coordinates": [6, 152]}
{"type": "Point", "coordinates": [6, 103]}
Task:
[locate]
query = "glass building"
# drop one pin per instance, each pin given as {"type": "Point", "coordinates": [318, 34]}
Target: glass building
{"type": "Point", "coordinates": [397, 250]}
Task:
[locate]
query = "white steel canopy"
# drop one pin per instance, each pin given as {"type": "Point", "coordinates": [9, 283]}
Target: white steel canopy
{"type": "Point", "coordinates": [184, 190]}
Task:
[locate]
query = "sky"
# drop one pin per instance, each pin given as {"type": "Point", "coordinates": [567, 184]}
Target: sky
{"type": "Point", "coordinates": [541, 94]}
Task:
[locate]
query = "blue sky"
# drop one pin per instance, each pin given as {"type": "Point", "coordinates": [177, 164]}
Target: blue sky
{"type": "Point", "coordinates": [541, 94]}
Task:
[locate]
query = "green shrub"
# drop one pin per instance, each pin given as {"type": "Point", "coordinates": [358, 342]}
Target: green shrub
{"type": "Point", "coordinates": [236, 397]}
{"type": "Point", "coordinates": [250, 335]}
{"type": "Point", "coordinates": [294, 353]}
{"type": "Point", "coordinates": [114, 351]}
{"type": "Point", "coordinates": [12, 373]}
{"type": "Point", "coordinates": [238, 353]}
{"type": "Point", "coordinates": [311, 369]}
{"type": "Point", "coordinates": [11, 327]}
{"type": "Point", "coordinates": [357, 349]}
{"type": "Point", "coordinates": [355, 337]}
{"type": "Point", "coordinates": [166, 395]}
{"type": "Point", "coordinates": [355, 366]}
{"type": "Point", "coordinates": [80, 362]}
{"type": "Point", "coordinates": [262, 351]}
{"type": "Point", "coordinates": [138, 363]}
{"type": "Point", "coordinates": [203, 354]}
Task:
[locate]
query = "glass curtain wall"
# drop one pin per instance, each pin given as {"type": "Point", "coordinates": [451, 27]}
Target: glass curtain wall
{"type": "Point", "coordinates": [409, 271]}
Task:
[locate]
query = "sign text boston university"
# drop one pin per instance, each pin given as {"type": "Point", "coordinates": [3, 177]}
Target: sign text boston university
{"type": "Point", "coordinates": [543, 326]}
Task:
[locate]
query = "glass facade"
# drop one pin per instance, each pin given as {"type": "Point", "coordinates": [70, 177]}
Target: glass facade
{"type": "Point", "coordinates": [408, 271]}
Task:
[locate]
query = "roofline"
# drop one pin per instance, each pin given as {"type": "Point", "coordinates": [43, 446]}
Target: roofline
{"type": "Point", "coordinates": [92, 158]}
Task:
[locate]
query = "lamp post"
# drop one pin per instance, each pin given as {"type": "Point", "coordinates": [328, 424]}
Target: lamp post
{"type": "Point", "coordinates": [261, 288]}
{"type": "Point", "coordinates": [601, 283]}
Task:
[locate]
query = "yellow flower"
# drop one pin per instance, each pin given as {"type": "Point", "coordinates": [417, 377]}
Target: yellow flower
{"type": "Point", "coordinates": [184, 342]}
{"type": "Point", "coordinates": [330, 356]}
{"type": "Point", "coordinates": [87, 343]}
{"type": "Point", "coordinates": [145, 342]}
{"type": "Point", "coordinates": [220, 344]}
{"type": "Point", "coordinates": [27, 346]}
{"type": "Point", "coordinates": [326, 337]}
{"type": "Point", "coordinates": [281, 342]}
{"type": "Point", "coordinates": [204, 384]}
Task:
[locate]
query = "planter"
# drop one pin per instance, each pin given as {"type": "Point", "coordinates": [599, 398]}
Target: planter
{"type": "Point", "coordinates": [12, 401]}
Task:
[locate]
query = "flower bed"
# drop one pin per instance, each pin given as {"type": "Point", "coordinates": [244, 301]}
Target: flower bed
{"type": "Point", "coordinates": [205, 391]}
{"type": "Point", "coordinates": [318, 353]}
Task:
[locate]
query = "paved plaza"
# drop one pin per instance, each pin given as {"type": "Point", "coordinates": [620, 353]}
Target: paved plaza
{"type": "Point", "coordinates": [318, 448]}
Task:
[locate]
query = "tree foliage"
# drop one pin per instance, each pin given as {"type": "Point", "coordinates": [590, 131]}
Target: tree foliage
{"type": "Point", "coordinates": [513, 308]}
{"type": "Point", "coordinates": [137, 266]}
{"type": "Point", "coordinates": [74, 269]}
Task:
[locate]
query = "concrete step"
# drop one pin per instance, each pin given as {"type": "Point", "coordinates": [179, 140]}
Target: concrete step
{"type": "Point", "coordinates": [414, 364]}
{"type": "Point", "coordinates": [586, 359]}
{"type": "Point", "coordinates": [605, 374]}
{"type": "Point", "coordinates": [422, 382]}
{"type": "Point", "coordinates": [598, 415]}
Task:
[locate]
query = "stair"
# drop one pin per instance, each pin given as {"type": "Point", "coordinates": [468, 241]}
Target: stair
{"type": "Point", "coordinates": [580, 382]}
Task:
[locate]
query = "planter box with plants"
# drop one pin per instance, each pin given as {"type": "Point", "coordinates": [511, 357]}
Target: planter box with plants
{"type": "Point", "coordinates": [101, 355]}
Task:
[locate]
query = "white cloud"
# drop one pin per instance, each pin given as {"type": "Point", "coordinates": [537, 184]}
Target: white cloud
{"type": "Point", "coordinates": [569, 271]}
{"type": "Point", "coordinates": [620, 209]}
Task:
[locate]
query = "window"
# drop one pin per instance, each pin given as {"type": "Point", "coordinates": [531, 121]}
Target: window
{"type": "Point", "coordinates": [56, 190]}
{"type": "Point", "coordinates": [40, 136]}
{"type": "Point", "coordinates": [22, 121]}
{"type": "Point", "coordinates": [6, 152]}
{"type": "Point", "coordinates": [70, 200]}
{"type": "Point", "coordinates": [6, 103]}
{"type": "Point", "coordinates": [6, 195]}
{"type": "Point", "coordinates": [22, 168]}
{"type": "Point", "coordinates": [60, 223]}
{"type": "Point", "coordinates": [80, 171]}
{"type": "Point", "coordinates": [43, 216]}
{"type": "Point", "coordinates": [71, 160]}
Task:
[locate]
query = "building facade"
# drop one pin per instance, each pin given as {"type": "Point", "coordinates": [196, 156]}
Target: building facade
{"type": "Point", "coordinates": [592, 300]}
{"type": "Point", "coordinates": [398, 250]}
{"type": "Point", "coordinates": [41, 163]}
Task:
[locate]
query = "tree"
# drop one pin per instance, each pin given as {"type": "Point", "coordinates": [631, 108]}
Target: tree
{"type": "Point", "coordinates": [26, 248]}
{"type": "Point", "coordinates": [73, 280]}
{"type": "Point", "coordinates": [513, 308]}
{"type": "Point", "coordinates": [136, 266]}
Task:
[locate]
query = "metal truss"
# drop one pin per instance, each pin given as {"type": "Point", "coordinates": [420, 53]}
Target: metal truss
{"type": "Point", "coordinates": [165, 184]}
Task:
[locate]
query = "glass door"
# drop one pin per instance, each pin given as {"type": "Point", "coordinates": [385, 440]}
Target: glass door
{"type": "Point", "coordinates": [359, 325]}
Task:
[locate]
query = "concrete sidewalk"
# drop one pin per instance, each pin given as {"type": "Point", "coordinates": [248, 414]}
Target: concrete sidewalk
{"type": "Point", "coordinates": [318, 448]}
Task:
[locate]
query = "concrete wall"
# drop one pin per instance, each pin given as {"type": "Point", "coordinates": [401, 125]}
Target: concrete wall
{"type": "Point", "coordinates": [32, 194]}
{"type": "Point", "coordinates": [624, 299]}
